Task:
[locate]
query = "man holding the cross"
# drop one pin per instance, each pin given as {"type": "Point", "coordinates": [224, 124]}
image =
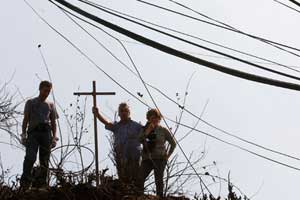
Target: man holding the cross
{"type": "Point", "coordinates": [127, 147]}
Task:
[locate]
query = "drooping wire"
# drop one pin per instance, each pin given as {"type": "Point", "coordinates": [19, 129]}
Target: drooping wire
{"type": "Point", "coordinates": [192, 43]}
{"type": "Point", "coordinates": [295, 2]}
{"type": "Point", "coordinates": [83, 54]}
{"type": "Point", "coordinates": [227, 133]}
{"type": "Point", "coordinates": [269, 42]}
{"type": "Point", "coordinates": [286, 5]}
{"type": "Point", "coordinates": [182, 107]}
{"type": "Point", "coordinates": [266, 62]}
{"type": "Point", "coordinates": [135, 97]}
{"type": "Point", "coordinates": [180, 54]}
{"type": "Point", "coordinates": [202, 14]}
{"type": "Point", "coordinates": [53, 95]}
{"type": "Point", "coordinates": [237, 146]}
{"type": "Point", "coordinates": [198, 38]}
{"type": "Point", "coordinates": [217, 21]}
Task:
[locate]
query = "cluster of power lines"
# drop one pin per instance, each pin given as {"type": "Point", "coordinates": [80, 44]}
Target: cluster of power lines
{"type": "Point", "coordinates": [73, 12]}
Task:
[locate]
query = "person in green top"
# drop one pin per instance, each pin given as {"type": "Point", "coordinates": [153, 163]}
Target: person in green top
{"type": "Point", "coordinates": [155, 154]}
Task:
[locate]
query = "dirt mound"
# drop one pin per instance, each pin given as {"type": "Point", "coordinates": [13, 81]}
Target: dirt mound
{"type": "Point", "coordinates": [109, 191]}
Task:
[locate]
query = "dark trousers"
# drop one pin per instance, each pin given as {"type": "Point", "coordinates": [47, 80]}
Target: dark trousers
{"type": "Point", "coordinates": [128, 170]}
{"type": "Point", "coordinates": [37, 141]}
{"type": "Point", "coordinates": [158, 165]}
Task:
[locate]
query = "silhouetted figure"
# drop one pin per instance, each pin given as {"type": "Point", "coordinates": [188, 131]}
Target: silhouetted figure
{"type": "Point", "coordinates": [127, 147]}
{"type": "Point", "coordinates": [154, 154]}
{"type": "Point", "coordinates": [38, 134]}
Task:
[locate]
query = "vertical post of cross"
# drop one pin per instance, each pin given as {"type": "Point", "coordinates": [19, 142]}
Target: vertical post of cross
{"type": "Point", "coordinates": [96, 134]}
{"type": "Point", "coordinates": [94, 93]}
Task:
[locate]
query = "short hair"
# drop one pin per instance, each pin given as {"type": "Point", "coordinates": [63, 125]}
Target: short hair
{"type": "Point", "coordinates": [44, 84]}
{"type": "Point", "coordinates": [153, 113]}
{"type": "Point", "coordinates": [123, 105]}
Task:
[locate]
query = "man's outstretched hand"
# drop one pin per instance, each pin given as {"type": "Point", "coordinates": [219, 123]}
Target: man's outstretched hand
{"type": "Point", "coordinates": [95, 111]}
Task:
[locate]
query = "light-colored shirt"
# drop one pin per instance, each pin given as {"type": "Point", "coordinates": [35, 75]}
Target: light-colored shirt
{"type": "Point", "coordinates": [126, 139]}
{"type": "Point", "coordinates": [158, 150]}
{"type": "Point", "coordinates": [40, 112]}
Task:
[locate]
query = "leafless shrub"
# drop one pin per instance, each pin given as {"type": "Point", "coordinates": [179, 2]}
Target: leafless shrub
{"type": "Point", "coordinates": [9, 114]}
{"type": "Point", "coordinates": [75, 117]}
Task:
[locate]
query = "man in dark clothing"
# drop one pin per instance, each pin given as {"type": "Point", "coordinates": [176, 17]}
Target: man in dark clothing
{"type": "Point", "coordinates": [127, 147]}
{"type": "Point", "coordinates": [38, 124]}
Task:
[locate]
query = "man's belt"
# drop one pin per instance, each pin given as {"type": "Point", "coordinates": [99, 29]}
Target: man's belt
{"type": "Point", "coordinates": [42, 127]}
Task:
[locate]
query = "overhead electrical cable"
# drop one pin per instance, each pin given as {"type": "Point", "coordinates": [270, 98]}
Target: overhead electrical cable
{"type": "Point", "coordinates": [267, 41]}
{"type": "Point", "coordinates": [286, 5]}
{"type": "Point", "coordinates": [295, 2]}
{"type": "Point", "coordinates": [122, 87]}
{"type": "Point", "coordinates": [163, 93]}
{"type": "Point", "coordinates": [200, 46]}
{"type": "Point", "coordinates": [189, 35]}
{"type": "Point", "coordinates": [180, 54]}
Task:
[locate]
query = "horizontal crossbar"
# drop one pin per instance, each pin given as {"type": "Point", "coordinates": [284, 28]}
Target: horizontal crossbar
{"type": "Point", "coordinates": [92, 93]}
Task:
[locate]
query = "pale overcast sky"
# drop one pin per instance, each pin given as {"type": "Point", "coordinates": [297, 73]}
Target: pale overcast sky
{"type": "Point", "coordinates": [260, 113]}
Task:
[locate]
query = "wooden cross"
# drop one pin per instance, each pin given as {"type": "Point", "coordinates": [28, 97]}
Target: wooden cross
{"type": "Point", "coordinates": [94, 93]}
